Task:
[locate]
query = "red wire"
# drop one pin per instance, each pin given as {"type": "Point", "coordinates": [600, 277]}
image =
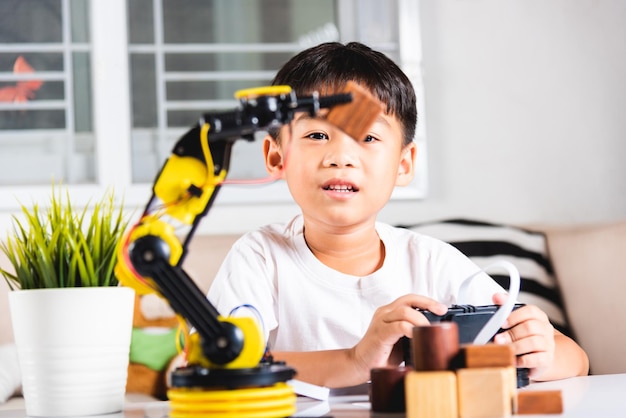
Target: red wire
{"type": "Point", "coordinates": [263, 180]}
{"type": "Point", "coordinates": [126, 255]}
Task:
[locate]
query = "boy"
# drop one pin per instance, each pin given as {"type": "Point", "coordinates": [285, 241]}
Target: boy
{"type": "Point", "coordinates": [335, 289]}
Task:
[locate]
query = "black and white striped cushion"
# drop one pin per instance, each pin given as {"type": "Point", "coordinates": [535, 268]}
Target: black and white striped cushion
{"type": "Point", "coordinates": [484, 243]}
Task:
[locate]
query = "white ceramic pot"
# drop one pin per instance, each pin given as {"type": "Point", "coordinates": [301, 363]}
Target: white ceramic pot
{"type": "Point", "coordinates": [73, 346]}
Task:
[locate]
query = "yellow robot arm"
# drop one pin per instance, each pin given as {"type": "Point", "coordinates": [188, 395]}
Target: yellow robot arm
{"type": "Point", "coordinates": [151, 255]}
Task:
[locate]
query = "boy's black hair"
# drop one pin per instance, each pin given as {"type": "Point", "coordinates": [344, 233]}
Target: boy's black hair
{"type": "Point", "coordinates": [329, 66]}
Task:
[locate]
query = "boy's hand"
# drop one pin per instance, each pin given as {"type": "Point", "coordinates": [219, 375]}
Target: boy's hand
{"type": "Point", "coordinates": [532, 336]}
{"type": "Point", "coordinates": [388, 325]}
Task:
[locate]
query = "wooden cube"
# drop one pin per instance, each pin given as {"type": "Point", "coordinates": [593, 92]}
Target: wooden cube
{"type": "Point", "coordinates": [435, 346]}
{"type": "Point", "coordinates": [513, 389]}
{"type": "Point", "coordinates": [485, 392]}
{"type": "Point", "coordinates": [431, 394]}
{"type": "Point", "coordinates": [387, 389]}
{"type": "Point", "coordinates": [539, 402]}
{"type": "Point", "coordinates": [487, 355]}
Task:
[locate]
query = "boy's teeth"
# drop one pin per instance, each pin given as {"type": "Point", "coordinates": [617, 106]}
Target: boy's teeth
{"type": "Point", "coordinates": [342, 188]}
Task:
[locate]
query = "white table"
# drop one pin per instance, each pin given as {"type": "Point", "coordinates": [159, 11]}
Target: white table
{"type": "Point", "coordinates": [602, 396]}
{"type": "Point", "coordinates": [591, 396]}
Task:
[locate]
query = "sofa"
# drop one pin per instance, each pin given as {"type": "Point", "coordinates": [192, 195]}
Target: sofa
{"type": "Point", "coordinates": [587, 264]}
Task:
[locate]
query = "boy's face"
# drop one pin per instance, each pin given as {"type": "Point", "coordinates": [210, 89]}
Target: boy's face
{"type": "Point", "coordinates": [339, 181]}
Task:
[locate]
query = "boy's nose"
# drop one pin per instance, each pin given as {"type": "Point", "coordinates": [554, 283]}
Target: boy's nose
{"type": "Point", "coordinates": [340, 152]}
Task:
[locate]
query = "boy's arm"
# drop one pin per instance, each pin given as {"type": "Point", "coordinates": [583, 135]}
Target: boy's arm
{"type": "Point", "coordinates": [378, 348]}
{"type": "Point", "coordinates": [569, 360]}
{"type": "Point", "coordinates": [328, 368]}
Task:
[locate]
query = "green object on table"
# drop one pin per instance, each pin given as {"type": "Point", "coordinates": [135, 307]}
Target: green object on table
{"type": "Point", "coordinates": [153, 348]}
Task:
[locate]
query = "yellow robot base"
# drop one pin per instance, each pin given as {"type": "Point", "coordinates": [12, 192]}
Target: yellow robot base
{"type": "Point", "coordinates": [278, 400]}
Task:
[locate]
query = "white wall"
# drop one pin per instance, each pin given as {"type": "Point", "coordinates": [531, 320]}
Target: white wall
{"type": "Point", "coordinates": [525, 115]}
{"type": "Point", "coordinates": [526, 105]}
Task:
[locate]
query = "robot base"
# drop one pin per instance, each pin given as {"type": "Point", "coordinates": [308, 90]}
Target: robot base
{"type": "Point", "coordinates": [252, 393]}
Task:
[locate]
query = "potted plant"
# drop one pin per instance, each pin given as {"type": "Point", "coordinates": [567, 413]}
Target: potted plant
{"type": "Point", "coordinates": [71, 320]}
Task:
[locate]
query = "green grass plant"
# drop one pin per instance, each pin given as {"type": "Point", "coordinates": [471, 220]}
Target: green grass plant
{"type": "Point", "coordinates": [58, 246]}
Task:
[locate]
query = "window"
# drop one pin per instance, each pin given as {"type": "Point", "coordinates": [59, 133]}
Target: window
{"type": "Point", "coordinates": [45, 102]}
{"type": "Point", "coordinates": [106, 101]}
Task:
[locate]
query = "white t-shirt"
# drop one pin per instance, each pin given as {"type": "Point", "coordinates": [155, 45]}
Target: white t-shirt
{"type": "Point", "coordinates": [307, 306]}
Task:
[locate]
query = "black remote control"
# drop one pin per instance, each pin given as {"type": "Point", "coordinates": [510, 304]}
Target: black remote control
{"type": "Point", "coordinates": [470, 319]}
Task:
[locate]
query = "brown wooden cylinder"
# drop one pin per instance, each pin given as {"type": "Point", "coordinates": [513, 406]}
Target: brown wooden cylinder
{"type": "Point", "coordinates": [435, 346]}
{"type": "Point", "coordinates": [387, 389]}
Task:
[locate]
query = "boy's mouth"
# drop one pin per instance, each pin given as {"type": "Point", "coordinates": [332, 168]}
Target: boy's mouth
{"type": "Point", "coordinates": [341, 188]}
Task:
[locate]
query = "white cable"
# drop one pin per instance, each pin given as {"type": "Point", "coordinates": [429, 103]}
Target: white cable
{"type": "Point", "coordinates": [257, 314]}
{"type": "Point", "coordinates": [497, 320]}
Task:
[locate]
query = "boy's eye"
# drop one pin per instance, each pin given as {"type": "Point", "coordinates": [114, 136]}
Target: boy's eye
{"type": "Point", "coordinates": [370, 138]}
{"type": "Point", "coordinates": [317, 135]}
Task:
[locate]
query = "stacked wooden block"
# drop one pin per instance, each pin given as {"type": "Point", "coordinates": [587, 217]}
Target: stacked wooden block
{"type": "Point", "coordinates": [448, 380]}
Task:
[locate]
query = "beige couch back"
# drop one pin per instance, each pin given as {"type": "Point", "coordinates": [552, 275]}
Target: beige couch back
{"type": "Point", "coordinates": [590, 265]}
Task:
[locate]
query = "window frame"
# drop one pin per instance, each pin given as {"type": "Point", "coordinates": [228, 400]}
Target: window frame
{"type": "Point", "coordinates": [110, 84]}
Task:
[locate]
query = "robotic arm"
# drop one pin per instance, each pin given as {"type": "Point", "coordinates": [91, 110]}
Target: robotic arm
{"type": "Point", "coordinates": [151, 255]}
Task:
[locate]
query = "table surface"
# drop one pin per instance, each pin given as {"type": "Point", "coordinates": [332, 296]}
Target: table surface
{"type": "Point", "coordinates": [590, 396]}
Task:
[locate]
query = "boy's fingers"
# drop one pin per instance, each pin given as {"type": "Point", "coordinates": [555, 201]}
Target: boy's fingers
{"type": "Point", "coordinates": [499, 298]}
{"type": "Point", "coordinates": [437, 308]}
{"type": "Point", "coordinates": [524, 314]}
{"type": "Point", "coordinates": [405, 314]}
{"type": "Point", "coordinates": [421, 302]}
{"type": "Point", "coordinates": [503, 338]}
{"type": "Point", "coordinates": [428, 304]}
{"type": "Point", "coordinates": [531, 360]}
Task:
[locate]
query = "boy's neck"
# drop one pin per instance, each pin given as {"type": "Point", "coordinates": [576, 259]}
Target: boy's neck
{"type": "Point", "coordinates": [357, 252]}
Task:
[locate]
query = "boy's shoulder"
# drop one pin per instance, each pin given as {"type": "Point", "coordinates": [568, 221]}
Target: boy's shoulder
{"type": "Point", "coordinates": [402, 237]}
{"type": "Point", "coordinates": [292, 227]}
{"type": "Point", "coordinates": [407, 233]}
{"type": "Point", "coordinates": [274, 232]}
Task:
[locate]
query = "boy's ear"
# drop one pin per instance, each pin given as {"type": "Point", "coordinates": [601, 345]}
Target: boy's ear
{"type": "Point", "coordinates": [273, 156]}
{"type": "Point", "coordinates": [406, 168]}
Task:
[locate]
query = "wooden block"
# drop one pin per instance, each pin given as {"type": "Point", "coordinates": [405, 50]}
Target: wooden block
{"type": "Point", "coordinates": [356, 117]}
{"type": "Point", "coordinates": [485, 392]}
{"type": "Point", "coordinates": [487, 355]}
{"type": "Point", "coordinates": [387, 389]}
{"type": "Point", "coordinates": [513, 388]}
{"type": "Point", "coordinates": [539, 402]}
{"type": "Point", "coordinates": [431, 394]}
{"type": "Point", "coordinates": [435, 346]}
